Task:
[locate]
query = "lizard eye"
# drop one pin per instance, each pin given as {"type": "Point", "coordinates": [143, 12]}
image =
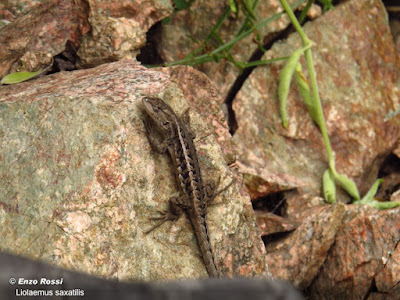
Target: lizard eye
{"type": "Point", "coordinates": [155, 109]}
{"type": "Point", "coordinates": [165, 123]}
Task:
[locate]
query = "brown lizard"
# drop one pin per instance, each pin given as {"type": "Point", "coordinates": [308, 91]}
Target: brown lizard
{"type": "Point", "coordinates": [195, 195]}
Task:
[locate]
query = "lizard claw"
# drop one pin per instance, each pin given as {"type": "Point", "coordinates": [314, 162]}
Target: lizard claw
{"type": "Point", "coordinates": [155, 226]}
{"type": "Point", "coordinates": [162, 218]}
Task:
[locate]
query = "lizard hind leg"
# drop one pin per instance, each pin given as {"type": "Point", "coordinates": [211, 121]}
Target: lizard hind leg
{"type": "Point", "coordinates": [175, 209]}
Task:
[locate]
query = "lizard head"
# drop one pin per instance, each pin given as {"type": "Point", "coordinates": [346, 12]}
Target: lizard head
{"type": "Point", "coordinates": [159, 111]}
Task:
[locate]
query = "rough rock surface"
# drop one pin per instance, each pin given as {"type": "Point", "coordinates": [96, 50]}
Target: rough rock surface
{"type": "Point", "coordinates": [97, 31]}
{"type": "Point", "coordinates": [32, 39]}
{"type": "Point", "coordinates": [79, 181]}
{"type": "Point", "coordinates": [299, 257]}
{"type": "Point", "coordinates": [119, 29]}
{"type": "Point", "coordinates": [199, 90]}
{"type": "Point", "coordinates": [11, 9]}
{"type": "Point", "coordinates": [335, 252]}
{"type": "Point", "coordinates": [341, 252]}
{"type": "Point", "coordinates": [364, 258]}
{"type": "Point", "coordinates": [357, 72]}
{"type": "Point", "coordinates": [270, 223]}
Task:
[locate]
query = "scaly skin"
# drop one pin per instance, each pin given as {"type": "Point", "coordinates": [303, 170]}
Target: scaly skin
{"type": "Point", "coordinates": [178, 141]}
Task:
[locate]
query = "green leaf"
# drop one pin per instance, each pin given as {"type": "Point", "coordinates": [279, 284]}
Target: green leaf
{"type": "Point", "coordinates": [233, 6]}
{"type": "Point", "coordinates": [305, 93]}
{"type": "Point", "coordinates": [369, 200]}
{"type": "Point", "coordinates": [328, 185]}
{"type": "Point", "coordinates": [166, 20]}
{"type": "Point", "coordinates": [182, 4]}
{"type": "Point", "coordinates": [327, 4]}
{"type": "Point", "coordinates": [284, 82]}
{"type": "Point", "coordinates": [383, 205]}
{"type": "Point", "coordinates": [372, 192]}
{"type": "Point", "coordinates": [248, 9]}
{"type": "Point", "coordinates": [18, 77]}
{"type": "Point", "coordinates": [348, 185]}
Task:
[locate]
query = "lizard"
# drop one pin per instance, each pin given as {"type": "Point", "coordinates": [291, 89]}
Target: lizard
{"type": "Point", "coordinates": [195, 194]}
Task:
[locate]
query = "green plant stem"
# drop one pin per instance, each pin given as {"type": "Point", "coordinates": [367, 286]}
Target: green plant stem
{"type": "Point", "coordinates": [303, 14]}
{"type": "Point", "coordinates": [213, 33]}
{"type": "Point", "coordinates": [219, 51]}
{"type": "Point", "coordinates": [264, 62]}
{"type": "Point", "coordinates": [317, 103]}
{"type": "Point", "coordinates": [313, 79]}
{"type": "Point", "coordinates": [243, 65]}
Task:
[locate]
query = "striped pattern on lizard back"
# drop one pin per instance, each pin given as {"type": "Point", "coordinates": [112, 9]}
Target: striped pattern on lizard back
{"type": "Point", "coordinates": [183, 153]}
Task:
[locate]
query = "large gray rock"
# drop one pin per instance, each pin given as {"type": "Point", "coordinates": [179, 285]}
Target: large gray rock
{"type": "Point", "coordinates": [79, 181]}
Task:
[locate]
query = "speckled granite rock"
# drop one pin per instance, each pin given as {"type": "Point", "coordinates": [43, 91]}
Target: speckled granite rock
{"type": "Point", "coordinates": [79, 180]}
{"type": "Point", "coordinates": [45, 30]}
{"type": "Point", "coordinates": [88, 33]}
{"type": "Point", "coordinates": [119, 29]}
{"type": "Point", "coordinates": [364, 258]}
